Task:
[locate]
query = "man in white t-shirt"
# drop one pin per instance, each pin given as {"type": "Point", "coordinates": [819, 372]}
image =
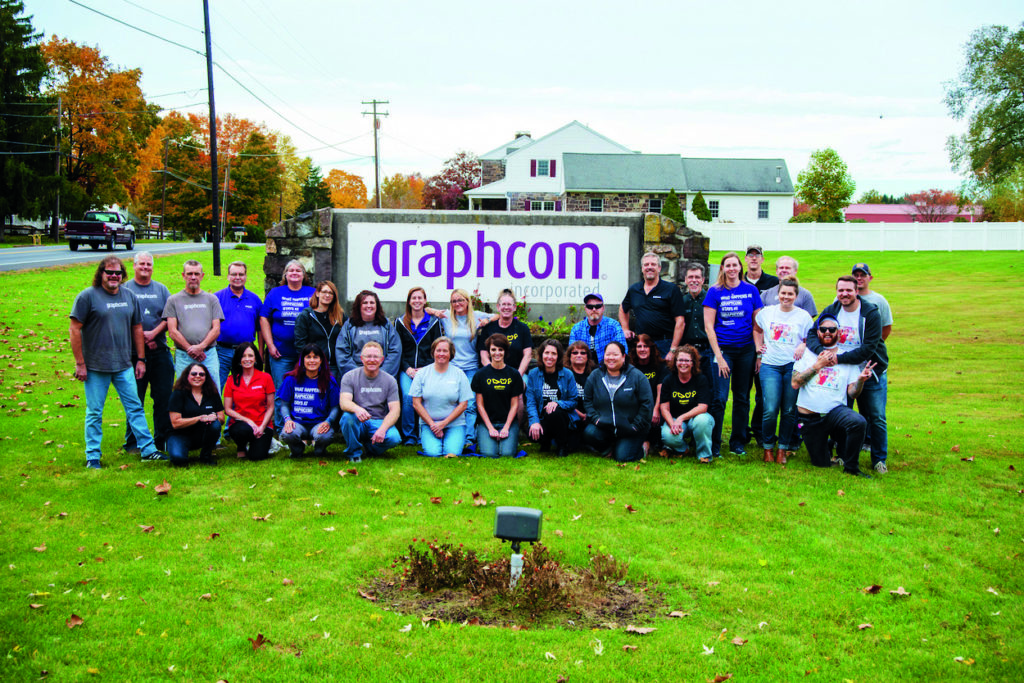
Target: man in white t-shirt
{"type": "Point", "coordinates": [824, 386]}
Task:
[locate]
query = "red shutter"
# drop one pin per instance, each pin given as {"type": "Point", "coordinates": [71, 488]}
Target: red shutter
{"type": "Point", "coordinates": [533, 168]}
{"type": "Point", "coordinates": [526, 205]}
{"type": "Point", "coordinates": [552, 168]}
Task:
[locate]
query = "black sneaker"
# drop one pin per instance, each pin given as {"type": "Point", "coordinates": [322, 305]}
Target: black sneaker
{"type": "Point", "coordinates": [858, 473]}
{"type": "Point", "coordinates": [155, 455]}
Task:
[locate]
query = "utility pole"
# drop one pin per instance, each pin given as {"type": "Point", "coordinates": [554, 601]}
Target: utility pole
{"type": "Point", "coordinates": [376, 154]}
{"type": "Point", "coordinates": [213, 144]}
{"type": "Point", "coordinates": [56, 216]}
{"type": "Point", "coordinates": [163, 200]}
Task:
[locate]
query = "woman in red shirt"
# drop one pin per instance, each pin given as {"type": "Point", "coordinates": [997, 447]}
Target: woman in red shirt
{"type": "Point", "coordinates": [249, 402]}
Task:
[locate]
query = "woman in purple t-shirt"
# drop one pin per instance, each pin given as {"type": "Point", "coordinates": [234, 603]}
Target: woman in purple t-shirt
{"type": "Point", "coordinates": [729, 309]}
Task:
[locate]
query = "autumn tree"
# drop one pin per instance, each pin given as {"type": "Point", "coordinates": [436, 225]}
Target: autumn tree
{"type": "Point", "coordinates": [400, 191]}
{"type": "Point", "coordinates": [348, 191]}
{"type": "Point", "coordinates": [315, 192]}
{"type": "Point", "coordinates": [989, 93]}
{"type": "Point", "coordinates": [1005, 201]}
{"type": "Point", "coordinates": [446, 190]}
{"type": "Point", "coordinates": [184, 183]}
{"type": "Point", "coordinates": [26, 134]}
{"type": "Point", "coordinates": [255, 185]}
{"type": "Point", "coordinates": [105, 122]}
{"type": "Point", "coordinates": [934, 206]}
{"type": "Point", "coordinates": [826, 186]}
{"type": "Point", "coordinates": [700, 208]}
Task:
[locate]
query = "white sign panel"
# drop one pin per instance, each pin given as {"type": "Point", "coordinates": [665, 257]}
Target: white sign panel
{"type": "Point", "coordinates": [547, 264]}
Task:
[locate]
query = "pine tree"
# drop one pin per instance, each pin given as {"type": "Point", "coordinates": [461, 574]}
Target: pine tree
{"type": "Point", "coordinates": [700, 208]}
{"type": "Point", "coordinates": [672, 209]}
{"type": "Point", "coordinates": [315, 192]}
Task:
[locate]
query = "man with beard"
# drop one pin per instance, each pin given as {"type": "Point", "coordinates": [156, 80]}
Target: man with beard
{"type": "Point", "coordinates": [193, 322]}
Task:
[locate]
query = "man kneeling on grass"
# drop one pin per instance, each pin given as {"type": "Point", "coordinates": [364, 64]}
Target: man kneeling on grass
{"type": "Point", "coordinates": [372, 405]}
{"type": "Point", "coordinates": [824, 387]}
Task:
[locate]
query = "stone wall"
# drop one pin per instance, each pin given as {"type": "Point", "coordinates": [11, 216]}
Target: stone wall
{"type": "Point", "coordinates": [614, 202]}
{"type": "Point", "coordinates": [307, 238]}
{"type": "Point", "coordinates": [491, 170]}
{"type": "Point", "coordinates": [517, 200]}
{"type": "Point", "coordinates": [676, 244]}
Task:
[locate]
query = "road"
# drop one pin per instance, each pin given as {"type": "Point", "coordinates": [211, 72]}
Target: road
{"type": "Point", "coordinates": [25, 258]}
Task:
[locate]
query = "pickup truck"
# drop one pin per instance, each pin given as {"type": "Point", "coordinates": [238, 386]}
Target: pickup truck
{"type": "Point", "coordinates": [100, 228]}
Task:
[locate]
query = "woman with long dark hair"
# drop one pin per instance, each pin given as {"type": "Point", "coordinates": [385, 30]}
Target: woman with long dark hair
{"type": "Point", "coordinates": [579, 360]}
{"type": "Point", "coordinates": [646, 359]}
{"type": "Point", "coordinates": [498, 389]}
{"type": "Point", "coordinates": [686, 395]}
{"type": "Point", "coordinates": [729, 309]}
{"type": "Point", "coordinates": [249, 402]}
{"type": "Point", "coordinates": [321, 322]}
{"type": "Point", "coordinates": [551, 398]}
{"type": "Point", "coordinates": [416, 332]}
{"type": "Point", "coordinates": [196, 414]}
{"type": "Point", "coordinates": [308, 403]}
{"type": "Point", "coordinates": [619, 401]}
{"type": "Point", "coordinates": [367, 322]}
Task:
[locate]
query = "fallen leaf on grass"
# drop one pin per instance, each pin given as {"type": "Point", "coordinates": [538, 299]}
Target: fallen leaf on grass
{"type": "Point", "coordinates": [899, 591]}
{"type": "Point", "coordinates": [576, 517]}
{"type": "Point", "coordinates": [40, 548]}
{"type": "Point", "coordinates": [558, 532]}
{"type": "Point", "coordinates": [369, 596]}
{"type": "Point", "coordinates": [74, 620]}
{"type": "Point", "coordinates": [992, 590]}
{"type": "Point", "coordinates": [720, 678]}
{"type": "Point", "coordinates": [322, 463]}
{"type": "Point", "coordinates": [713, 583]}
{"type": "Point", "coordinates": [436, 500]}
{"type": "Point", "coordinates": [707, 650]}
{"type": "Point", "coordinates": [123, 467]}
{"type": "Point", "coordinates": [213, 536]}
{"type": "Point", "coordinates": [162, 489]}
{"type": "Point", "coordinates": [206, 596]}
{"type": "Point", "coordinates": [678, 615]}
{"type": "Point", "coordinates": [802, 503]}
{"type": "Point", "coordinates": [642, 630]}
{"type": "Point", "coordinates": [405, 629]}
{"type": "Point", "coordinates": [955, 449]}
{"type": "Point", "coordinates": [139, 485]}
{"type": "Point", "coordinates": [259, 641]}
{"type": "Point", "coordinates": [968, 662]}
{"type": "Point", "coordinates": [841, 492]}
{"type": "Point", "coordinates": [739, 642]}
{"type": "Point", "coordinates": [629, 648]}
{"type": "Point", "coordinates": [257, 518]}
{"type": "Point", "coordinates": [611, 501]}
{"type": "Point", "coordinates": [287, 582]}
{"type": "Point", "coordinates": [479, 500]}
{"type": "Point", "coordinates": [353, 472]}
{"type": "Point", "coordinates": [630, 508]}
{"type": "Point", "coordinates": [548, 655]}
{"type": "Point", "coordinates": [864, 626]}
{"type": "Point", "coordinates": [34, 605]}
{"type": "Point", "coordinates": [147, 528]}
{"type": "Point", "coordinates": [873, 589]}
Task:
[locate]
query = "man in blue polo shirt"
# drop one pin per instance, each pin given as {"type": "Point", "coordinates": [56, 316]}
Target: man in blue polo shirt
{"type": "Point", "coordinates": [656, 305]}
{"type": "Point", "coordinates": [241, 317]}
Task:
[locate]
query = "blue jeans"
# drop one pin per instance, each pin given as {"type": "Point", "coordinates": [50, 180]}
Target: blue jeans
{"type": "Point", "coordinates": [497, 448]}
{"type": "Point", "coordinates": [871, 404]}
{"type": "Point", "coordinates": [779, 396]}
{"type": "Point", "coordinates": [295, 440]}
{"type": "Point", "coordinates": [159, 378]}
{"type": "Point", "coordinates": [700, 426]}
{"type": "Point", "coordinates": [96, 386]}
{"type": "Point", "coordinates": [625, 445]}
{"type": "Point", "coordinates": [212, 363]}
{"type": "Point", "coordinates": [225, 355]}
{"type": "Point", "coordinates": [357, 436]}
{"type": "Point", "coordinates": [278, 368]}
{"type": "Point", "coordinates": [453, 442]}
{"type": "Point", "coordinates": [408, 421]}
{"type": "Point", "coordinates": [180, 442]}
{"type": "Point", "coordinates": [740, 360]}
{"type": "Point", "coordinates": [470, 413]}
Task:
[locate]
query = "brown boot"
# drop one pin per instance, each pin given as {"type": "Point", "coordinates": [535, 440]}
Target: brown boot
{"type": "Point", "coordinates": [769, 455]}
{"type": "Point", "coordinates": [781, 457]}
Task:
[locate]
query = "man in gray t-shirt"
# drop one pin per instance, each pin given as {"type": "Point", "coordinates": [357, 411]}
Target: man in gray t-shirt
{"type": "Point", "coordinates": [372, 405]}
{"type": "Point", "coordinates": [193, 323]}
{"type": "Point", "coordinates": [159, 378]}
{"type": "Point", "coordinates": [105, 326]}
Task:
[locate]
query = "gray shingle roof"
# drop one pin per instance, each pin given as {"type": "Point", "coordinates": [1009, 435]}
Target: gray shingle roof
{"type": "Point", "coordinates": [737, 175]}
{"type": "Point", "coordinates": [623, 172]}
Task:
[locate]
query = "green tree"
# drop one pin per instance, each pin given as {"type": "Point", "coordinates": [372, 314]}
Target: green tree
{"type": "Point", "coordinates": [825, 186]}
{"type": "Point", "coordinates": [256, 182]}
{"type": "Point", "coordinates": [700, 208]}
{"type": "Point", "coordinates": [26, 134]}
{"type": "Point", "coordinates": [1006, 199]}
{"type": "Point", "coordinates": [185, 178]}
{"type": "Point", "coordinates": [989, 93]}
{"type": "Point", "coordinates": [316, 194]}
{"type": "Point", "coordinates": [672, 208]}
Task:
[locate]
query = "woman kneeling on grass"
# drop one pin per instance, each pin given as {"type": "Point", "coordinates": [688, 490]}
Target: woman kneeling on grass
{"type": "Point", "coordinates": [308, 403]}
{"type": "Point", "coordinates": [551, 399]}
{"type": "Point", "coordinates": [619, 402]}
{"type": "Point", "coordinates": [249, 402]}
{"type": "Point", "coordinates": [440, 394]}
{"type": "Point", "coordinates": [579, 361]}
{"type": "Point", "coordinates": [499, 389]}
{"type": "Point", "coordinates": [196, 414]}
{"type": "Point", "coordinates": [685, 396]}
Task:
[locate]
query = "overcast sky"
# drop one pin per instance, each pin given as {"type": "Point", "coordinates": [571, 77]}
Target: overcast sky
{"type": "Point", "coordinates": [727, 79]}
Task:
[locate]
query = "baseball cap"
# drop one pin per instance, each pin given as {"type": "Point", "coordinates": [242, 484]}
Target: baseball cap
{"type": "Point", "coordinates": [593, 295]}
{"type": "Point", "coordinates": [860, 266]}
{"type": "Point", "coordinates": [756, 248]}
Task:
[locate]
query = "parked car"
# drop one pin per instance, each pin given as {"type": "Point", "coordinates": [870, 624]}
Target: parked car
{"type": "Point", "coordinates": [98, 228]}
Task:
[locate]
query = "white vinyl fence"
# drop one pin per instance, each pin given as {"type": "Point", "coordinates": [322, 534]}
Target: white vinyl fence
{"type": "Point", "coordinates": [865, 236]}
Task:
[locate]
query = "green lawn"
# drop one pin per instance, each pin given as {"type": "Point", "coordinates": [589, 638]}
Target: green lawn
{"type": "Point", "coordinates": [777, 557]}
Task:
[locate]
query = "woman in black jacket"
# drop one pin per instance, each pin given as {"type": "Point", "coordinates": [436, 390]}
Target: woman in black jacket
{"type": "Point", "coordinates": [321, 322]}
{"type": "Point", "coordinates": [619, 405]}
{"type": "Point", "coordinates": [417, 331]}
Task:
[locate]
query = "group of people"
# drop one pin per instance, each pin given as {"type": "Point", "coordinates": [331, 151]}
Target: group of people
{"type": "Point", "coordinates": [456, 380]}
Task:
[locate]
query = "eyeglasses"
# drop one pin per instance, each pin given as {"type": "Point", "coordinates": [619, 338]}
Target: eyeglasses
{"type": "Point", "coordinates": [195, 373]}
{"type": "Point", "coordinates": [594, 307]}
{"type": "Point", "coordinates": [579, 353]}
{"type": "Point", "coordinates": [114, 273]}
{"type": "Point", "coordinates": [828, 330]}
{"type": "Point", "coordinates": [685, 360]}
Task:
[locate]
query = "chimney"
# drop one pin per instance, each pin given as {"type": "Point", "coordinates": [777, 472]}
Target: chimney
{"type": "Point", "coordinates": [522, 134]}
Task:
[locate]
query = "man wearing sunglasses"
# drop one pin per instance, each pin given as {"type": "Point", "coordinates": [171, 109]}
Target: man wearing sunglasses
{"type": "Point", "coordinates": [595, 330]}
{"type": "Point", "coordinates": [825, 385]}
{"type": "Point", "coordinates": [861, 340]}
{"type": "Point", "coordinates": [106, 328]}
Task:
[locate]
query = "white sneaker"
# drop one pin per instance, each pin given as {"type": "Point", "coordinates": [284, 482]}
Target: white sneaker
{"type": "Point", "coordinates": [275, 446]}
{"type": "Point", "coordinates": [881, 468]}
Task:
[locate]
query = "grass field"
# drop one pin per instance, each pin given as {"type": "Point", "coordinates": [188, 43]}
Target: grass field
{"type": "Point", "coordinates": [776, 557]}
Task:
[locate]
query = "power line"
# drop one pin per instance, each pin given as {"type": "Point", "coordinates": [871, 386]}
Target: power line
{"type": "Point", "coordinates": [157, 14]}
{"type": "Point", "coordinates": [148, 33]}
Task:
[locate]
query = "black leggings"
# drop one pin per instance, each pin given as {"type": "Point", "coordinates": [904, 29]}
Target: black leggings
{"type": "Point", "coordinates": [255, 448]}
